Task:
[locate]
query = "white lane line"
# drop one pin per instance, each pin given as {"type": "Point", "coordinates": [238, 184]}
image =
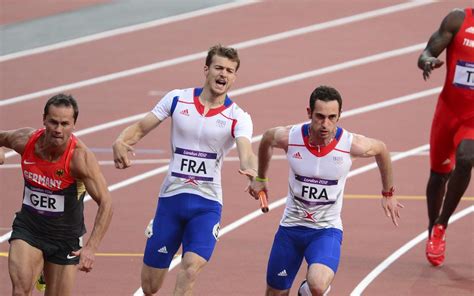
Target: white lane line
{"type": "Point", "coordinates": [167, 160]}
{"type": "Point", "coordinates": [249, 217]}
{"type": "Point", "coordinates": [345, 114]}
{"type": "Point", "coordinates": [333, 68]}
{"type": "Point", "coordinates": [282, 81]}
{"type": "Point", "coordinates": [360, 110]}
{"type": "Point", "coordinates": [398, 253]}
{"type": "Point", "coordinates": [200, 55]}
{"type": "Point", "coordinates": [124, 30]}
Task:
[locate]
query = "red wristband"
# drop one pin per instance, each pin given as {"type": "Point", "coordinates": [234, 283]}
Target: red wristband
{"type": "Point", "coordinates": [388, 193]}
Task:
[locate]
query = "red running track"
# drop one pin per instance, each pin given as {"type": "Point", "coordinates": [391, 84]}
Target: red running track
{"type": "Point", "coordinates": [238, 265]}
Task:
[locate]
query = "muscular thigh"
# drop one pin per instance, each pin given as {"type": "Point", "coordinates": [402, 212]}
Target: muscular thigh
{"type": "Point", "coordinates": [166, 236]}
{"type": "Point", "coordinates": [325, 248]}
{"type": "Point", "coordinates": [59, 278]}
{"type": "Point", "coordinates": [24, 262]}
{"type": "Point", "coordinates": [202, 227]}
{"type": "Point", "coordinates": [285, 258]}
{"type": "Point", "coordinates": [442, 139]}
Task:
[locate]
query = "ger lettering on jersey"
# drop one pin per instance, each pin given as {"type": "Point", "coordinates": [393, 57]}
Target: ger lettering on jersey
{"type": "Point", "coordinates": [199, 142]}
{"type": "Point", "coordinates": [316, 179]}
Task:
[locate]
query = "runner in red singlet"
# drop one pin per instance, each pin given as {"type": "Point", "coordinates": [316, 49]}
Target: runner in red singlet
{"type": "Point", "coordinates": [452, 131]}
{"type": "Point", "coordinates": [47, 232]}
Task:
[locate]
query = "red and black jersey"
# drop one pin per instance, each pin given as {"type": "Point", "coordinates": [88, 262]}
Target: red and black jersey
{"type": "Point", "coordinates": [52, 198]}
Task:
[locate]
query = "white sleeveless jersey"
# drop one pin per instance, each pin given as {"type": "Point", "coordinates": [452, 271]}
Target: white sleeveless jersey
{"type": "Point", "coordinates": [199, 143]}
{"type": "Point", "coordinates": [316, 179]}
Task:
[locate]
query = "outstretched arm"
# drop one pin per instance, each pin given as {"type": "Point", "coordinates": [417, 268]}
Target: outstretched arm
{"type": "Point", "coordinates": [439, 41]}
{"type": "Point", "coordinates": [84, 166]}
{"type": "Point", "coordinates": [129, 137]}
{"type": "Point", "coordinates": [248, 160]}
{"type": "Point", "coordinates": [14, 139]}
{"type": "Point", "coordinates": [367, 147]}
{"type": "Point", "coordinates": [276, 137]}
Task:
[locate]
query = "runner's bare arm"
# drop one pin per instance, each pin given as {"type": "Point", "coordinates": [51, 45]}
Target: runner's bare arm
{"type": "Point", "coordinates": [367, 147]}
{"type": "Point", "coordinates": [276, 137]}
{"type": "Point", "coordinates": [130, 136]}
{"type": "Point", "coordinates": [248, 159]}
{"type": "Point", "coordinates": [439, 41]}
{"type": "Point", "coordinates": [16, 139]}
{"type": "Point", "coordinates": [84, 167]}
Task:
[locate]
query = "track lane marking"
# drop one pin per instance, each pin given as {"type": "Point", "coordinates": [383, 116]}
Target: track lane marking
{"type": "Point", "coordinates": [200, 55]}
{"type": "Point", "coordinates": [283, 81]}
{"type": "Point", "coordinates": [401, 251]}
{"type": "Point", "coordinates": [124, 30]}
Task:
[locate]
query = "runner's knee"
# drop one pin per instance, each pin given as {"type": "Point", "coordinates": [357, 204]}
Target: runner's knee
{"type": "Point", "coordinates": [152, 279]}
{"type": "Point", "coordinates": [150, 287]}
{"type": "Point", "coordinates": [21, 288]}
{"type": "Point", "coordinates": [465, 153]}
{"type": "Point", "coordinates": [318, 286]}
{"type": "Point", "coordinates": [440, 178]}
{"type": "Point", "coordinates": [191, 269]}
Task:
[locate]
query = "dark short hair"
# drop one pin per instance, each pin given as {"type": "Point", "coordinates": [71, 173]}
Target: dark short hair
{"type": "Point", "coordinates": [62, 100]}
{"type": "Point", "coordinates": [222, 51]}
{"type": "Point", "coordinates": [325, 94]}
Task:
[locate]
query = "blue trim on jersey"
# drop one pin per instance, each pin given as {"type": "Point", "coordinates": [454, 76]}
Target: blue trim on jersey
{"type": "Point", "coordinates": [197, 92]}
{"type": "Point", "coordinates": [227, 101]}
{"type": "Point", "coordinates": [173, 105]}
{"type": "Point", "coordinates": [306, 131]}
{"type": "Point", "coordinates": [338, 133]}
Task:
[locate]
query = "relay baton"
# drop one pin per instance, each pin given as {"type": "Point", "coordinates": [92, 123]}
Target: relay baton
{"type": "Point", "coordinates": [262, 196]}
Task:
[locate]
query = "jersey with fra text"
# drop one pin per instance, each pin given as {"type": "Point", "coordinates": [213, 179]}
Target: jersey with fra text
{"type": "Point", "coordinates": [316, 179]}
{"type": "Point", "coordinates": [199, 143]}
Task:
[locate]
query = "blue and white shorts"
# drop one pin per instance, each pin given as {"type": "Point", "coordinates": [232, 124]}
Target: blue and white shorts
{"type": "Point", "coordinates": [187, 219]}
{"type": "Point", "coordinates": [291, 244]}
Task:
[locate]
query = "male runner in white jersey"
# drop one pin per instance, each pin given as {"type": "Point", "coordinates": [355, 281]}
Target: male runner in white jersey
{"type": "Point", "coordinates": [206, 124]}
{"type": "Point", "coordinates": [319, 154]}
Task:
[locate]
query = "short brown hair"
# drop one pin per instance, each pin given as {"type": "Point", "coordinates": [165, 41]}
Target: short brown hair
{"type": "Point", "coordinates": [62, 100]}
{"type": "Point", "coordinates": [227, 52]}
{"type": "Point", "coordinates": [325, 94]}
